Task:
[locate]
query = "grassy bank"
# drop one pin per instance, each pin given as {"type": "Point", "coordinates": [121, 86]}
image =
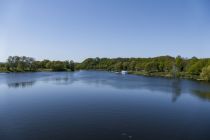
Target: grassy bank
{"type": "Point", "coordinates": [3, 70]}
{"type": "Point", "coordinates": [181, 75]}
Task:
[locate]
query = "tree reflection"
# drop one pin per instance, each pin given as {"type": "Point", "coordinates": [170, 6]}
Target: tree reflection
{"type": "Point", "coordinates": [21, 84]}
{"type": "Point", "coordinates": [204, 95]}
{"type": "Point", "coordinates": [25, 80]}
{"type": "Point", "coordinates": [176, 89]}
{"type": "Point", "coordinates": [64, 80]}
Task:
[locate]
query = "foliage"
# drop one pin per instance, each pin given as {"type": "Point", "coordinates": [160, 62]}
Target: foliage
{"type": "Point", "coordinates": [16, 63]}
{"type": "Point", "coordinates": [157, 64]}
{"type": "Point", "coordinates": [196, 67]}
{"type": "Point", "coordinates": [185, 68]}
{"type": "Point", "coordinates": [205, 74]}
{"type": "Point", "coordinates": [151, 67]}
{"type": "Point", "coordinates": [180, 63]}
{"type": "Point", "coordinates": [162, 65]}
{"type": "Point", "coordinates": [23, 64]}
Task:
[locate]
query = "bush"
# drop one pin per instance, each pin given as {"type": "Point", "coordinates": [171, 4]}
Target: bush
{"type": "Point", "coordinates": [205, 74]}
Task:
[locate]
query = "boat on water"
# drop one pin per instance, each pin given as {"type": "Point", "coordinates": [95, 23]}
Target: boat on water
{"type": "Point", "coordinates": [123, 72]}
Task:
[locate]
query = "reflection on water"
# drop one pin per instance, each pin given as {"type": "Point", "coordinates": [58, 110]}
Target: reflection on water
{"type": "Point", "coordinates": [175, 87]}
{"type": "Point", "coordinates": [21, 84]}
{"type": "Point", "coordinates": [202, 95]}
{"type": "Point", "coordinates": [89, 105]}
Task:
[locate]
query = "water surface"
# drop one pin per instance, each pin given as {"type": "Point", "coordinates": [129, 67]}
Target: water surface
{"type": "Point", "coordinates": [89, 105]}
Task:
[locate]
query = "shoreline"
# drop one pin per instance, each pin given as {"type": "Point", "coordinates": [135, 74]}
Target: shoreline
{"type": "Point", "coordinates": [138, 73]}
{"type": "Point", "coordinates": [166, 75]}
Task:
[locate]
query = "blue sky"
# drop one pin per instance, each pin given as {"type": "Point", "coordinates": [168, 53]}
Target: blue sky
{"type": "Point", "coordinates": [78, 29]}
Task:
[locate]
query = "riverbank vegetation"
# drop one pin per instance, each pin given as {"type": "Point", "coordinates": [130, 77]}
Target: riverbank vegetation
{"type": "Point", "coordinates": [165, 66]}
{"type": "Point", "coordinates": [28, 64]}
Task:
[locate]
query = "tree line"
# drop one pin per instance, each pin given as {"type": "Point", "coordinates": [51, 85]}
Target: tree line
{"type": "Point", "coordinates": [194, 68]}
{"type": "Point", "coordinates": [24, 64]}
{"type": "Point", "coordinates": [164, 65]}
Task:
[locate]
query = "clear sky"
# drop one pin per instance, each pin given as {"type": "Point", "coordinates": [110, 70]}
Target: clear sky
{"type": "Point", "coordinates": [77, 29]}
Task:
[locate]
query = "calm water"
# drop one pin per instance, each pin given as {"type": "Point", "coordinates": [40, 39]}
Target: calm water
{"type": "Point", "coordinates": [89, 105]}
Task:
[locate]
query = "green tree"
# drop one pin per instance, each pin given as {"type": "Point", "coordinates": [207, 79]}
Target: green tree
{"type": "Point", "coordinates": [48, 65]}
{"type": "Point", "coordinates": [205, 74]}
{"type": "Point", "coordinates": [43, 64]}
{"type": "Point", "coordinates": [180, 64]}
{"type": "Point", "coordinates": [16, 63]}
{"type": "Point", "coordinates": [197, 67]}
{"type": "Point", "coordinates": [161, 67]}
{"type": "Point", "coordinates": [132, 66]}
{"type": "Point", "coordinates": [151, 67]}
{"type": "Point", "coordinates": [125, 65]}
{"type": "Point", "coordinates": [58, 66]}
{"type": "Point", "coordinates": [71, 65]}
{"type": "Point", "coordinates": [118, 66]}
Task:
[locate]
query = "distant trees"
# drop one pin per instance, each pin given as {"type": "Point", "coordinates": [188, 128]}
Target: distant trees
{"type": "Point", "coordinates": [192, 68]}
{"type": "Point", "coordinates": [196, 67]}
{"type": "Point", "coordinates": [71, 65]}
{"type": "Point", "coordinates": [180, 63]}
{"type": "Point", "coordinates": [16, 63]}
{"type": "Point", "coordinates": [56, 65]}
{"type": "Point", "coordinates": [118, 66]}
{"type": "Point", "coordinates": [60, 65]}
{"type": "Point", "coordinates": [157, 64]}
{"type": "Point", "coordinates": [132, 66]}
{"type": "Point", "coordinates": [43, 64]}
{"type": "Point", "coordinates": [3, 67]}
{"type": "Point", "coordinates": [23, 63]}
{"type": "Point", "coordinates": [163, 64]}
{"type": "Point", "coordinates": [151, 67]}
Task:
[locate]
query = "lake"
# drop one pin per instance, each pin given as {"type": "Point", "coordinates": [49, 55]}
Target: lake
{"type": "Point", "coordinates": [90, 105]}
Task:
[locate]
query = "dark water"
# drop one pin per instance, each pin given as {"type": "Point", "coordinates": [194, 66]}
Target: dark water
{"type": "Point", "coordinates": [102, 106]}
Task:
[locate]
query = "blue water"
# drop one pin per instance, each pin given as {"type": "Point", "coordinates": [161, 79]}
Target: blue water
{"type": "Point", "coordinates": [90, 105]}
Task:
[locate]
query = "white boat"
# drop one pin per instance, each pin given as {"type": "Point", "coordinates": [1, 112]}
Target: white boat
{"type": "Point", "coordinates": [124, 72]}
